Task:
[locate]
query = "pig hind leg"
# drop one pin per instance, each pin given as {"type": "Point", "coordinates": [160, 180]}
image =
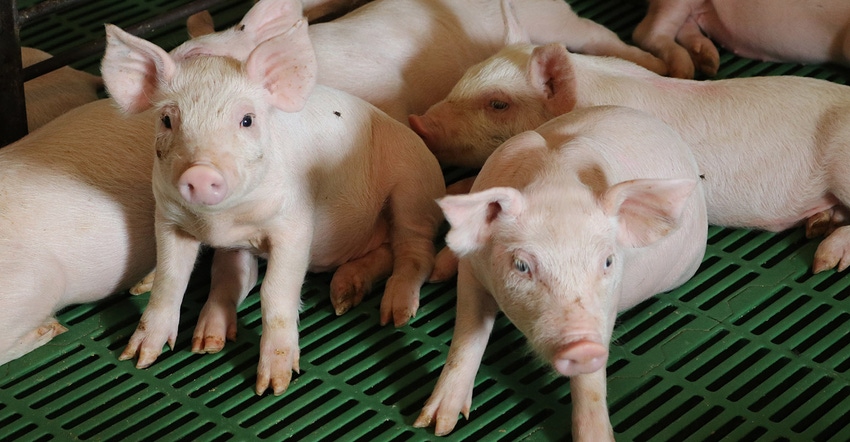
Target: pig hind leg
{"type": "Point", "coordinates": [234, 274]}
{"type": "Point", "coordinates": [834, 250]}
{"type": "Point", "coordinates": [354, 279]}
{"type": "Point", "coordinates": [657, 33]}
{"type": "Point", "coordinates": [29, 302]}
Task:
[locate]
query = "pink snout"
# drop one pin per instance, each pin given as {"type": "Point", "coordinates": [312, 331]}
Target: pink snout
{"type": "Point", "coordinates": [581, 357]}
{"type": "Point", "coordinates": [202, 184]}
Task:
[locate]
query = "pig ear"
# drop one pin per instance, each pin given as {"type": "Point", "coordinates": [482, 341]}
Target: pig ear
{"type": "Point", "coordinates": [286, 67]}
{"type": "Point", "coordinates": [132, 69]}
{"type": "Point", "coordinates": [200, 23]}
{"type": "Point", "coordinates": [472, 216]}
{"type": "Point", "coordinates": [647, 209]}
{"type": "Point", "coordinates": [551, 73]}
{"type": "Point", "coordinates": [270, 18]}
{"type": "Point", "coordinates": [514, 33]}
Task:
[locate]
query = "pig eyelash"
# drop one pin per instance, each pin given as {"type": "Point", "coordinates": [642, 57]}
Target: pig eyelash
{"type": "Point", "coordinates": [247, 120]}
{"type": "Point", "coordinates": [521, 266]}
{"type": "Point", "coordinates": [498, 105]}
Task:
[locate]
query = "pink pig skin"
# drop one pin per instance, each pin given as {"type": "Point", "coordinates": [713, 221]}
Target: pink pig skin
{"type": "Point", "coordinates": [404, 55]}
{"type": "Point", "coordinates": [254, 156]}
{"type": "Point", "coordinates": [57, 92]}
{"type": "Point", "coordinates": [771, 149]}
{"type": "Point", "coordinates": [680, 32]}
{"type": "Point", "coordinates": [77, 219]}
{"type": "Point", "coordinates": [588, 215]}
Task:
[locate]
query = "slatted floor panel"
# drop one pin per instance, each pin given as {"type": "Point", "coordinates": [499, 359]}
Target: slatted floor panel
{"type": "Point", "coordinates": [752, 348]}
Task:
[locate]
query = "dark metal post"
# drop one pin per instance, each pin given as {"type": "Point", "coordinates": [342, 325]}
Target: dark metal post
{"type": "Point", "coordinates": [13, 111]}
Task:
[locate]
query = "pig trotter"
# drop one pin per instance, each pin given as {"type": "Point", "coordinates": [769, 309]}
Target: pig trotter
{"type": "Point", "coordinates": [834, 251]}
{"type": "Point", "coordinates": [145, 285]}
{"type": "Point", "coordinates": [148, 340]}
{"type": "Point", "coordinates": [442, 410]}
{"type": "Point", "coordinates": [277, 361]}
{"type": "Point", "coordinates": [216, 323]}
{"type": "Point", "coordinates": [354, 279]}
{"type": "Point", "coordinates": [400, 301]}
{"type": "Point", "coordinates": [445, 266]}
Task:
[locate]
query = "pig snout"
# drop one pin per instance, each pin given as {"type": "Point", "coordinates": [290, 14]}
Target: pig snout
{"type": "Point", "coordinates": [202, 184]}
{"type": "Point", "coordinates": [580, 357]}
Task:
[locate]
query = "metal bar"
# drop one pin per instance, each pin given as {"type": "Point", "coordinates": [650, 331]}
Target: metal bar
{"type": "Point", "coordinates": [141, 29]}
{"type": "Point", "coordinates": [43, 8]}
{"type": "Point", "coordinates": [13, 112]}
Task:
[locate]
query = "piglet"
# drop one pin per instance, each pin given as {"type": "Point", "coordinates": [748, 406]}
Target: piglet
{"type": "Point", "coordinates": [405, 55]}
{"type": "Point", "coordinates": [255, 156]}
{"type": "Point", "coordinates": [57, 92]}
{"type": "Point", "coordinates": [680, 32]}
{"type": "Point", "coordinates": [77, 219]}
{"type": "Point", "coordinates": [772, 150]}
{"type": "Point", "coordinates": [588, 215]}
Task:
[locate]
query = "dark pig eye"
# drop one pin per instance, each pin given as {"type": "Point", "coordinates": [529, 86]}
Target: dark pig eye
{"type": "Point", "coordinates": [520, 265]}
{"type": "Point", "coordinates": [498, 105]}
{"type": "Point", "coordinates": [247, 120]}
{"type": "Point", "coordinates": [166, 121]}
{"type": "Point", "coordinates": [609, 261]}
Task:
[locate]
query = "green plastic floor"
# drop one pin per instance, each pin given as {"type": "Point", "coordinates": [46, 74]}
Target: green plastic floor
{"type": "Point", "coordinates": [753, 348]}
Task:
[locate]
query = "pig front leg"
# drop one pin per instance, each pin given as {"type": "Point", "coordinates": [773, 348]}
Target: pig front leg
{"type": "Point", "coordinates": [476, 313]}
{"type": "Point", "coordinates": [702, 50]}
{"type": "Point", "coordinates": [234, 274]}
{"type": "Point", "coordinates": [280, 298]}
{"type": "Point", "coordinates": [352, 280]}
{"type": "Point", "coordinates": [176, 252]}
{"type": "Point", "coordinates": [834, 251]}
{"type": "Point", "coordinates": [657, 33]}
{"type": "Point", "coordinates": [591, 422]}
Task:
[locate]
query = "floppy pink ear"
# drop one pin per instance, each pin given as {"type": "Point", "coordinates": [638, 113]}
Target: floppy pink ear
{"type": "Point", "coordinates": [647, 209]}
{"type": "Point", "coordinates": [472, 216]}
{"type": "Point", "coordinates": [551, 73]}
{"type": "Point", "coordinates": [270, 18]}
{"type": "Point", "coordinates": [132, 69]}
{"type": "Point", "coordinates": [286, 67]}
{"type": "Point", "coordinates": [514, 33]}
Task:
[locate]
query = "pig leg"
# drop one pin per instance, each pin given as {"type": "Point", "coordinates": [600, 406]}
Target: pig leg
{"type": "Point", "coordinates": [145, 285]}
{"type": "Point", "coordinates": [590, 409]}
{"type": "Point", "coordinates": [445, 266]}
{"type": "Point", "coordinates": [834, 251]}
{"type": "Point", "coordinates": [476, 313]}
{"type": "Point", "coordinates": [704, 54]}
{"type": "Point", "coordinates": [234, 274]}
{"type": "Point", "coordinates": [657, 33]}
{"type": "Point", "coordinates": [546, 21]}
{"type": "Point", "coordinates": [175, 257]}
{"type": "Point", "coordinates": [824, 223]}
{"type": "Point", "coordinates": [35, 338]}
{"type": "Point", "coordinates": [354, 279]}
{"type": "Point", "coordinates": [280, 298]}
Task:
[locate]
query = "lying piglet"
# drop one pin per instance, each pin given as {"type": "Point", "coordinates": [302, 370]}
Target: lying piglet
{"type": "Point", "coordinates": [255, 156]}
{"type": "Point", "coordinates": [57, 92]}
{"type": "Point", "coordinates": [566, 226]}
{"type": "Point", "coordinates": [772, 150]}
{"type": "Point", "coordinates": [680, 32]}
{"type": "Point", "coordinates": [405, 55]}
{"type": "Point", "coordinates": [77, 219]}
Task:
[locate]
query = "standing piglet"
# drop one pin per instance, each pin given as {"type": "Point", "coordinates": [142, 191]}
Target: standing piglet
{"type": "Point", "coordinates": [680, 32]}
{"type": "Point", "coordinates": [255, 156]}
{"type": "Point", "coordinates": [57, 92]}
{"type": "Point", "coordinates": [405, 55]}
{"type": "Point", "coordinates": [567, 225]}
{"type": "Point", "coordinates": [773, 150]}
{"type": "Point", "coordinates": [76, 219]}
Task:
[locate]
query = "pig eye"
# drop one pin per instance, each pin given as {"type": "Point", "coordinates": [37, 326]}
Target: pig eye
{"type": "Point", "coordinates": [609, 261]}
{"type": "Point", "coordinates": [520, 265]}
{"type": "Point", "coordinates": [247, 120]}
{"type": "Point", "coordinates": [166, 121]}
{"type": "Point", "coordinates": [498, 104]}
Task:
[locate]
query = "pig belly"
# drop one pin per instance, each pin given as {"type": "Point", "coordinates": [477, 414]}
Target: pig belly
{"type": "Point", "coordinates": [333, 247]}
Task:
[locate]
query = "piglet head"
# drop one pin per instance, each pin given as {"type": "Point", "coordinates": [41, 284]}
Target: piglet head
{"type": "Point", "coordinates": [217, 114]}
{"type": "Point", "coordinates": [518, 89]}
{"type": "Point", "coordinates": [553, 259]}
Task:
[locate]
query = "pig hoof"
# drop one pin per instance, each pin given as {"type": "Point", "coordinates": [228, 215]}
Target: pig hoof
{"type": "Point", "coordinates": [207, 344]}
{"type": "Point", "coordinates": [818, 224]}
{"type": "Point", "coordinates": [834, 251]}
{"type": "Point", "coordinates": [145, 285]}
{"type": "Point", "coordinates": [347, 292]}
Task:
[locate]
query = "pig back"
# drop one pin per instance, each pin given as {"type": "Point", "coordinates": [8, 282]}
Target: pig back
{"type": "Point", "coordinates": [79, 189]}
